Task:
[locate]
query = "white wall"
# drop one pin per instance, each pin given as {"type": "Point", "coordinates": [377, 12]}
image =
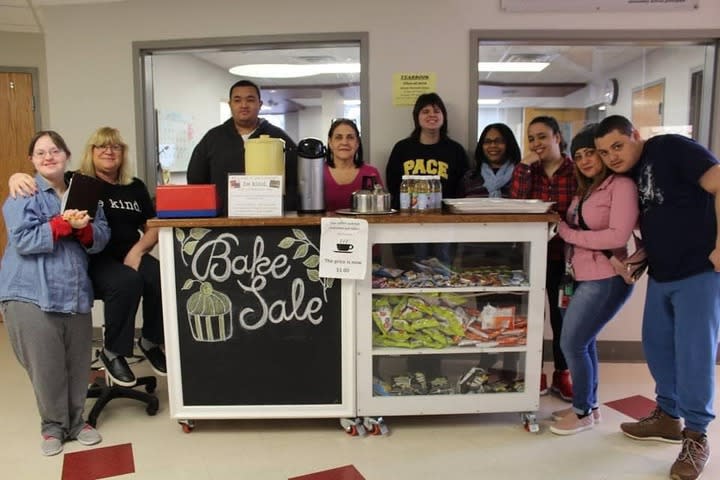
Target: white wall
{"type": "Point", "coordinates": [89, 56]}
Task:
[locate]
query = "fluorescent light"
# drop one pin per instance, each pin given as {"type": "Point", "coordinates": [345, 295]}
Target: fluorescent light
{"type": "Point", "coordinates": [351, 102]}
{"type": "Point", "coordinates": [286, 70]}
{"type": "Point", "coordinates": [489, 101]}
{"type": "Point", "coordinates": [512, 66]}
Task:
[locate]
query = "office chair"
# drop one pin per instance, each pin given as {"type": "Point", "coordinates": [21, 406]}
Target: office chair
{"type": "Point", "coordinates": [104, 390]}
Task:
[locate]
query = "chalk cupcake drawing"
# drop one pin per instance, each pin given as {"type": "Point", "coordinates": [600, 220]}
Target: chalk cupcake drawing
{"type": "Point", "coordinates": [209, 310]}
{"type": "Point", "coordinates": [209, 313]}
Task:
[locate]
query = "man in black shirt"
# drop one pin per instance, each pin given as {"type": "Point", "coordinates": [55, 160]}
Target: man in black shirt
{"type": "Point", "coordinates": [222, 149]}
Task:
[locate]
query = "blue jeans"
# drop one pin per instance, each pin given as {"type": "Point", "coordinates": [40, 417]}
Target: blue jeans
{"type": "Point", "coordinates": [680, 339]}
{"type": "Point", "coordinates": [592, 306]}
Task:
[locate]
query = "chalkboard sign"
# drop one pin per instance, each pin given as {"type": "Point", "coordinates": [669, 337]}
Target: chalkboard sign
{"type": "Point", "coordinates": [256, 324]}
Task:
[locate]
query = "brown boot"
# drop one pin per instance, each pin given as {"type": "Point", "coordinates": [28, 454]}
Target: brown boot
{"type": "Point", "coordinates": [658, 426]}
{"type": "Point", "coordinates": [693, 457]}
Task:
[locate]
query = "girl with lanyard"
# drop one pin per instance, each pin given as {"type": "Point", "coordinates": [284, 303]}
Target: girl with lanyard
{"type": "Point", "coordinates": [547, 173]}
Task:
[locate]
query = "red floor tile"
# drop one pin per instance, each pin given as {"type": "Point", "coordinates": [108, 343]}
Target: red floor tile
{"type": "Point", "coordinates": [636, 406]}
{"type": "Point", "coordinates": [348, 472]}
{"type": "Point", "coordinates": [99, 463]}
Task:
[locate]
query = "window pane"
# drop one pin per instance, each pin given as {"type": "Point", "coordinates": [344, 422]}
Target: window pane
{"type": "Point", "coordinates": [650, 83]}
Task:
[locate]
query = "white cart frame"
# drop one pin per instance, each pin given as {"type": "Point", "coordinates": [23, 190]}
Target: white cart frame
{"type": "Point", "coordinates": [535, 235]}
{"type": "Point", "coordinates": [187, 413]}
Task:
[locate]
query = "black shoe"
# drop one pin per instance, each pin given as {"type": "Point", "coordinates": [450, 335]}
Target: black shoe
{"type": "Point", "coordinates": [118, 370]}
{"type": "Point", "coordinates": [156, 357]}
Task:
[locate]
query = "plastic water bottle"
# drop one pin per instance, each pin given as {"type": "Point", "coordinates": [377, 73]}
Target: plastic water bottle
{"type": "Point", "coordinates": [405, 194]}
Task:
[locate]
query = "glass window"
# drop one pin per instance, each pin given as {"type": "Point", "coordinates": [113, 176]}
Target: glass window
{"type": "Point", "coordinates": [653, 83]}
{"type": "Point", "coordinates": [304, 85]}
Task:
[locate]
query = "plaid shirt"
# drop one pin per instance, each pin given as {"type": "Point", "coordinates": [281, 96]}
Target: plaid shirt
{"type": "Point", "coordinates": [530, 181]}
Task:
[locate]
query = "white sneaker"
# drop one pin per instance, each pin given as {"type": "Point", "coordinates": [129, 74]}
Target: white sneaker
{"type": "Point", "coordinates": [571, 424]}
{"type": "Point", "coordinates": [51, 446]}
{"type": "Point", "coordinates": [88, 436]}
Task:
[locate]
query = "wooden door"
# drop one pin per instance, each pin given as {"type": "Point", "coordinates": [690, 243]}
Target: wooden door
{"type": "Point", "coordinates": [17, 126]}
{"type": "Point", "coordinates": [647, 109]}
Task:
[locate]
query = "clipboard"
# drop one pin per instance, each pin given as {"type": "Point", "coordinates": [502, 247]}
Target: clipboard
{"type": "Point", "coordinates": [83, 193]}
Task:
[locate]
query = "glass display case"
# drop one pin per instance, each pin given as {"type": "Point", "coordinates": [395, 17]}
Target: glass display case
{"type": "Point", "coordinates": [450, 318]}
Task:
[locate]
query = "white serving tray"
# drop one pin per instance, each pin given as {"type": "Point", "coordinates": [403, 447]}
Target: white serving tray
{"type": "Point", "coordinates": [496, 205]}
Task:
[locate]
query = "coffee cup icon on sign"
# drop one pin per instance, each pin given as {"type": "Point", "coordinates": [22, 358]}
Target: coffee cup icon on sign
{"type": "Point", "coordinates": [344, 247]}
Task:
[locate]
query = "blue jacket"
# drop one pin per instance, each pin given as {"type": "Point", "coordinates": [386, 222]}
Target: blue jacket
{"type": "Point", "coordinates": [34, 269]}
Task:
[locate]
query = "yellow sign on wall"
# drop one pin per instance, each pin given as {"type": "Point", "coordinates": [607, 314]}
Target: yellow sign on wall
{"type": "Point", "coordinates": [408, 86]}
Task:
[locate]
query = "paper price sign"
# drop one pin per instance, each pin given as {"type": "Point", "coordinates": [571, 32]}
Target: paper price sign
{"type": "Point", "coordinates": [343, 248]}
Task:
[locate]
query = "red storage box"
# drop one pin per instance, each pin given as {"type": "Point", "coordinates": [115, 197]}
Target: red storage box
{"type": "Point", "coordinates": [183, 201]}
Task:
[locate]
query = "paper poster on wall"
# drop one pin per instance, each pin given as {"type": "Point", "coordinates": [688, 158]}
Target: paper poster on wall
{"type": "Point", "coordinates": [520, 6]}
{"type": "Point", "coordinates": [408, 86]}
{"type": "Point", "coordinates": [176, 140]}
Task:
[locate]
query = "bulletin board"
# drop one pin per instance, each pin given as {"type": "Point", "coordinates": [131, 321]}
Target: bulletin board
{"type": "Point", "coordinates": [176, 140]}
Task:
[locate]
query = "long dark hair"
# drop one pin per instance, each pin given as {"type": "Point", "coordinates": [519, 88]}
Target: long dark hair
{"type": "Point", "coordinates": [423, 101]}
{"type": "Point", "coordinates": [512, 149]}
{"type": "Point", "coordinates": [554, 126]}
{"type": "Point", "coordinates": [358, 159]}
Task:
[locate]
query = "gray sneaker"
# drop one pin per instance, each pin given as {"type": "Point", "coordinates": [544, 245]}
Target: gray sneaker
{"type": "Point", "coordinates": [51, 446]}
{"type": "Point", "coordinates": [88, 436]}
{"type": "Point", "coordinates": [658, 426]}
{"type": "Point", "coordinates": [693, 457]}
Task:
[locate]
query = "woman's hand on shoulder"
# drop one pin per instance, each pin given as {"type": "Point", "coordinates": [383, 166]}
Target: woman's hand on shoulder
{"type": "Point", "coordinates": [22, 184]}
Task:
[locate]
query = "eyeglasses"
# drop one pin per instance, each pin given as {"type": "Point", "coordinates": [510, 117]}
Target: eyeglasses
{"type": "Point", "coordinates": [53, 153]}
{"type": "Point", "coordinates": [114, 148]}
{"type": "Point", "coordinates": [494, 141]}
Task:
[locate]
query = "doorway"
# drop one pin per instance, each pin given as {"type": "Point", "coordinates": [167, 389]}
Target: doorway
{"type": "Point", "coordinates": [17, 109]}
{"type": "Point", "coordinates": [17, 106]}
{"type": "Point", "coordinates": [647, 108]}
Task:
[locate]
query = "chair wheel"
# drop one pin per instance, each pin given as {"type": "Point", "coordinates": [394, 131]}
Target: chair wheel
{"type": "Point", "coordinates": [152, 407]}
{"type": "Point", "coordinates": [149, 388]}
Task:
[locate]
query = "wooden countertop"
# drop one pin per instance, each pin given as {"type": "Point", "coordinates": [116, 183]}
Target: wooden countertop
{"type": "Point", "coordinates": [293, 218]}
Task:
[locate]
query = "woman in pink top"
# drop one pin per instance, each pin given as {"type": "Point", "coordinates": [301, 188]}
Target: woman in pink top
{"type": "Point", "coordinates": [344, 168]}
{"type": "Point", "coordinates": [601, 217]}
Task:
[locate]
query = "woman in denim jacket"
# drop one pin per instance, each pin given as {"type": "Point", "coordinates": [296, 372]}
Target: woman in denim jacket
{"type": "Point", "coordinates": [46, 295]}
{"type": "Point", "coordinates": [601, 217]}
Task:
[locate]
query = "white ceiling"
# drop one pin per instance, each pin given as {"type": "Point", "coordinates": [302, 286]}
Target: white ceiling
{"type": "Point", "coordinates": [22, 15]}
{"type": "Point", "coordinates": [571, 68]}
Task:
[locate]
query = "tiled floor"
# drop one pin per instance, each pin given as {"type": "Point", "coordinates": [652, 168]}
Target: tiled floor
{"type": "Point", "coordinates": [439, 447]}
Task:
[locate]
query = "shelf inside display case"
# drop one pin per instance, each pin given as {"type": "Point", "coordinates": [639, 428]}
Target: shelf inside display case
{"type": "Point", "coordinates": [395, 351]}
{"type": "Point", "coordinates": [449, 375]}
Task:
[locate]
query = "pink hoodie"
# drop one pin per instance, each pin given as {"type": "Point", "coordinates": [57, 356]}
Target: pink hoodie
{"type": "Point", "coordinates": [611, 212]}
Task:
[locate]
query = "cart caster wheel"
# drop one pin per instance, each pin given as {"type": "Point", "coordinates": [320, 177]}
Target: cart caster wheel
{"type": "Point", "coordinates": [187, 425]}
{"type": "Point", "coordinates": [375, 426]}
{"type": "Point", "coordinates": [353, 427]}
{"type": "Point", "coordinates": [530, 423]}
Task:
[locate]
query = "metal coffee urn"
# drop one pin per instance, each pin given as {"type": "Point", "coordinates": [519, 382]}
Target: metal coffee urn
{"type": "Point", "coordinates": [311, 185]}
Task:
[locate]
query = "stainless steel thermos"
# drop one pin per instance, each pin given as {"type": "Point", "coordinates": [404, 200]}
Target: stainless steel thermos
{"type": "Point", "coordinates": [311, 184]}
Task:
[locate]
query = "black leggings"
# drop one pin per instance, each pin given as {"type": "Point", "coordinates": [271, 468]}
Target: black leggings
{"type": "Point", "coordinates": [553, 277]}
{"type": "Point", "coordinates": [121, 288]}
